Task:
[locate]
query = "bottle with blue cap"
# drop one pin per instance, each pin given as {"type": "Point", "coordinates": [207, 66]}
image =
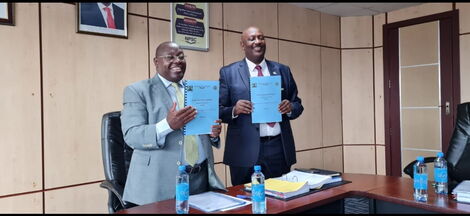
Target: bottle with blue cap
{"type": "Point", "coordinates": [440, 174]}
{"type": "Point", "coordinates": [182, 191]}
{"type": "Point", "coordinates": [258, 196]}
{"type": "Point", "coordinates": [420, 180]}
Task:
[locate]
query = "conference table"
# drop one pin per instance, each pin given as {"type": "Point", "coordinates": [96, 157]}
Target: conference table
{"type": "Point", "coordinates": [381, 194]}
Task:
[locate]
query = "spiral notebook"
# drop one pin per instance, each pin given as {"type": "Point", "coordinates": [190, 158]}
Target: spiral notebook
{"type": "Point", "coordinates": [203, 95]}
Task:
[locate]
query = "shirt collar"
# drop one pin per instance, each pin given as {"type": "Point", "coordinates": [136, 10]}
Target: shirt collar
{"type": "Point", "coordinates": [101, 5]}
{"type": "Point", "coordinates": [251, 65]}
{"type": "Point", "coordinates": [167, 83]}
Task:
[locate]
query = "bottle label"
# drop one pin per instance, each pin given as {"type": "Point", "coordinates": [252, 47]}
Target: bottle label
{"type": "Point", "coordinates": [182, 191]}
{"type": "Point", "coordinates": [257, 192]}
{"type": "Point", "coordinates": [440, 175]}
{"type": "Point", "coordinates": [420, 181]}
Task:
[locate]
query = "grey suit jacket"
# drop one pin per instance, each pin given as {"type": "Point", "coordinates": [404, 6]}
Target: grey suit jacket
{"type": "Point", "coordinates": [153, 168]}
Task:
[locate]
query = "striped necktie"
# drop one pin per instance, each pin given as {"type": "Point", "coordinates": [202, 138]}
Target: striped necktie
{"type": "Point", "coordinates": [191, 152]}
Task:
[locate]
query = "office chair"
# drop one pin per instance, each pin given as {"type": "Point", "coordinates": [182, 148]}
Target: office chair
{"type": "Point", "coordinates": [458, 154]}
{"type": "Point", "coordinates": [116, 159]}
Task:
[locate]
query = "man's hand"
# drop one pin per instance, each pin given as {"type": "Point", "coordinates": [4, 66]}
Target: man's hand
{"type": "Point", "coordinates": [177, 119]}
{"type": "Point", "coordinates": [216, 129]}
{"type": "Point", "coordinates": [285, 106]}
{"type": "Point", "coordinates": [243, 107]}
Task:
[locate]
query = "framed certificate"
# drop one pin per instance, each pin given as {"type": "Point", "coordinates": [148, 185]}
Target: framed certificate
{"type": "Point", "coordinates": [190, 25]}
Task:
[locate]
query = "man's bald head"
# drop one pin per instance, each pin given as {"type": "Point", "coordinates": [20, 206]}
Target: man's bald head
{"type": "Point", "coordinates": [252, 42]}
{"type": "Point", "coordinates": [169, 61]}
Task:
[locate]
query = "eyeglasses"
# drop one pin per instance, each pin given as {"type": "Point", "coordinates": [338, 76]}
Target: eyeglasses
{"type": "Point", "coordinates": [173, 57]}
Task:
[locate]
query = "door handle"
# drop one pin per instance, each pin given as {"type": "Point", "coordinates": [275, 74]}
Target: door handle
{"type": "Point", "coordinates": [447, 108]}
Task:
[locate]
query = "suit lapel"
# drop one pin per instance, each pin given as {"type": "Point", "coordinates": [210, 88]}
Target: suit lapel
{"type": "Point", "coordinates": [159, 89]}
{"type": "Point", "coordinates": [273, 69]}
{"type": "Point", "coordinates": [244, 73]}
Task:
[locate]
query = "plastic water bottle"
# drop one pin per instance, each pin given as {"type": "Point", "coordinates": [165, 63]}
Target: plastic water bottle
{"type": "Point", "coordinates": [420, 178]}
{"type": "Point", "coordinates": [182, 191]}
{"type": "Point", "coordinates": [258, 196]}
{"type": "Point", "coordinates": [440, 174]}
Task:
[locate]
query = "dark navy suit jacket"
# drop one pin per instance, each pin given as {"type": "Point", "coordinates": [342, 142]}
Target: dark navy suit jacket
{"type": "Point", "coordinates": [243, 141]}
{"type": "Point", "coordinates": [91, 15]}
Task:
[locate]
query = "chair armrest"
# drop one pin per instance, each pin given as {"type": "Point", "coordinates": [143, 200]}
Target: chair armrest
{"type": "Point", "coordinates": [115, 188]}
{"type": "Point", "coordinates": [409, 168]}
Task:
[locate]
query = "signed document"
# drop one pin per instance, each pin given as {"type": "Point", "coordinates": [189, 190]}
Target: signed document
{"type": "Point", "coordinates": [265, 95]}
{"type": "Point", "coordinates": [204, 97]}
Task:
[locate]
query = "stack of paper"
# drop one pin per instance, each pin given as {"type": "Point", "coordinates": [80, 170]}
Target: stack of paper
{"type": "Point", "coordinates": [282, 189]}
{"type": "Point", "coordinates": [335, 176]}
{"type": "Point", "coordinates": [313, 180]}
{"type": "Point", "coordinates": [212, 201]}
{"type": "Point", "coordinates": [462, 191]}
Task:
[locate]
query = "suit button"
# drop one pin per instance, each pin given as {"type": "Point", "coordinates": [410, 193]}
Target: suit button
{"type": "Point", "coordinates": [180, 142]}
{"type": "Point", "coordinates": [178, 163]}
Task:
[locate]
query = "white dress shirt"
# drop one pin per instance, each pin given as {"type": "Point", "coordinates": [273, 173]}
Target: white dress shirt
{"type": "Point", "coordinates": [264, 129]}
{"type": "Point", "coordinates": [163, 128]}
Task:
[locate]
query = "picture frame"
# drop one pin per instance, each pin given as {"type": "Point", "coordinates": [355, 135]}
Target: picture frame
{"type": "Point", "coordinates": [92, 18]}
{"type": "Point", "coordinates": [190, 25]}
{"type": "Point", "coordinates": [6, 13]}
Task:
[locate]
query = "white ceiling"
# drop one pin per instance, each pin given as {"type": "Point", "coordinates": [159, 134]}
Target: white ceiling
{"type": "Point", "coordinates": [355, 9]}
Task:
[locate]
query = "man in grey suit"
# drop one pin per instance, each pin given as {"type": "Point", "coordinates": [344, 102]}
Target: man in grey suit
{"type": "Point", "coordinates": [151, 124]}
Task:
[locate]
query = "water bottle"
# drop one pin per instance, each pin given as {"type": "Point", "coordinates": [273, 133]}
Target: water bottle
{"type": "Point", "coordinates": [420, 180]}
{"type": "Point", "coordinates": [258, 196]}
{"type": "Point", "coordinates": [182, 191]}
{"type": "Point", "coordinates": [440, 174]}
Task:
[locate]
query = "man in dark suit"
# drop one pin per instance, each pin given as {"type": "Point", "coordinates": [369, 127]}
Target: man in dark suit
{"type": "Point", "coordinates": [101, 14]}
{"type": "Point", "coordinates": [269, 145]}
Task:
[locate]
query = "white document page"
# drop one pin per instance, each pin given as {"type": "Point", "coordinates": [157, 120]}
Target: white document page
{"type": "Point", "coordinates": [212, 201]}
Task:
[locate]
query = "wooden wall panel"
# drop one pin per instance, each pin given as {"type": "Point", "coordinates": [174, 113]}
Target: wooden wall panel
{"type": "Point", "coordinates": [331, 96]}
{"type": "Point", "coordinates": [137, 8]}
{"type": "Point", "coordinates": [379, 21]}
{"type": "Point", "coordinates": [84, 77]}
{"type": "Point", "coordinates": [380, 154]}
{"type": "Point", "coordinates": [309, 159]}
{"type": "Point", "coordinates": [356, 32]}
{"type": "Point", "coordinates": [304, 62]}
{"type": "Point", "coordinates": [233, 51]}
{"type": "Point", "coordinates": [358, 99]}
{"type": "Point", "coordinates": [330, 30]}
{"type": "Point", "coordinates": [20, 109]}
{"type": "Point", "coordinates": [299, 24]}
{"type": "Point", "coordinates": [359, 159]}
{"type": "Point", "coordinates": [206, 65]}
{"type": "Point", "coordinates": [418, 11]}
{"type": "Point", "coordinates": [464, 16]}
{"type": "Point", "coordinates": [159, 32]}
{"type": "Point", "coordinates": [239, 16]}
{"type": "Point", "coordinates": [464, 68]}
{"type": "Point", "coordinates": [215, 15]}
{"type": "Point", "coordinates": [23, 204]}
{"type": "Point", "coordinates": [81, 199]}
{"type": "Point", "coordinates": [379, 96]}
{"type": "Point", "coordinates": [160, 10]}
{"type": "Point", "coordinates": [333, 158]}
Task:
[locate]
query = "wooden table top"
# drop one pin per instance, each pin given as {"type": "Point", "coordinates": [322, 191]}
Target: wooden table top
{"type": "Point", "coordinates": [398, 190]}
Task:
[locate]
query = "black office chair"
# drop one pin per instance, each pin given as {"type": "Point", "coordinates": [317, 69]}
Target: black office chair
{"type": "Point", "coordinates": [116, 159]}
{"type": "Point", "coordinates": [458, 154]}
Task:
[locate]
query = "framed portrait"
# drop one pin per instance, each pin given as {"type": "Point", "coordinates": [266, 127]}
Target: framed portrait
{"type": "Point", "coordinates": [190, 25]}
{"type": "Point", "coordinates": [6, 13]}
{"type": "Point", "coordinates": [102, 18]}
